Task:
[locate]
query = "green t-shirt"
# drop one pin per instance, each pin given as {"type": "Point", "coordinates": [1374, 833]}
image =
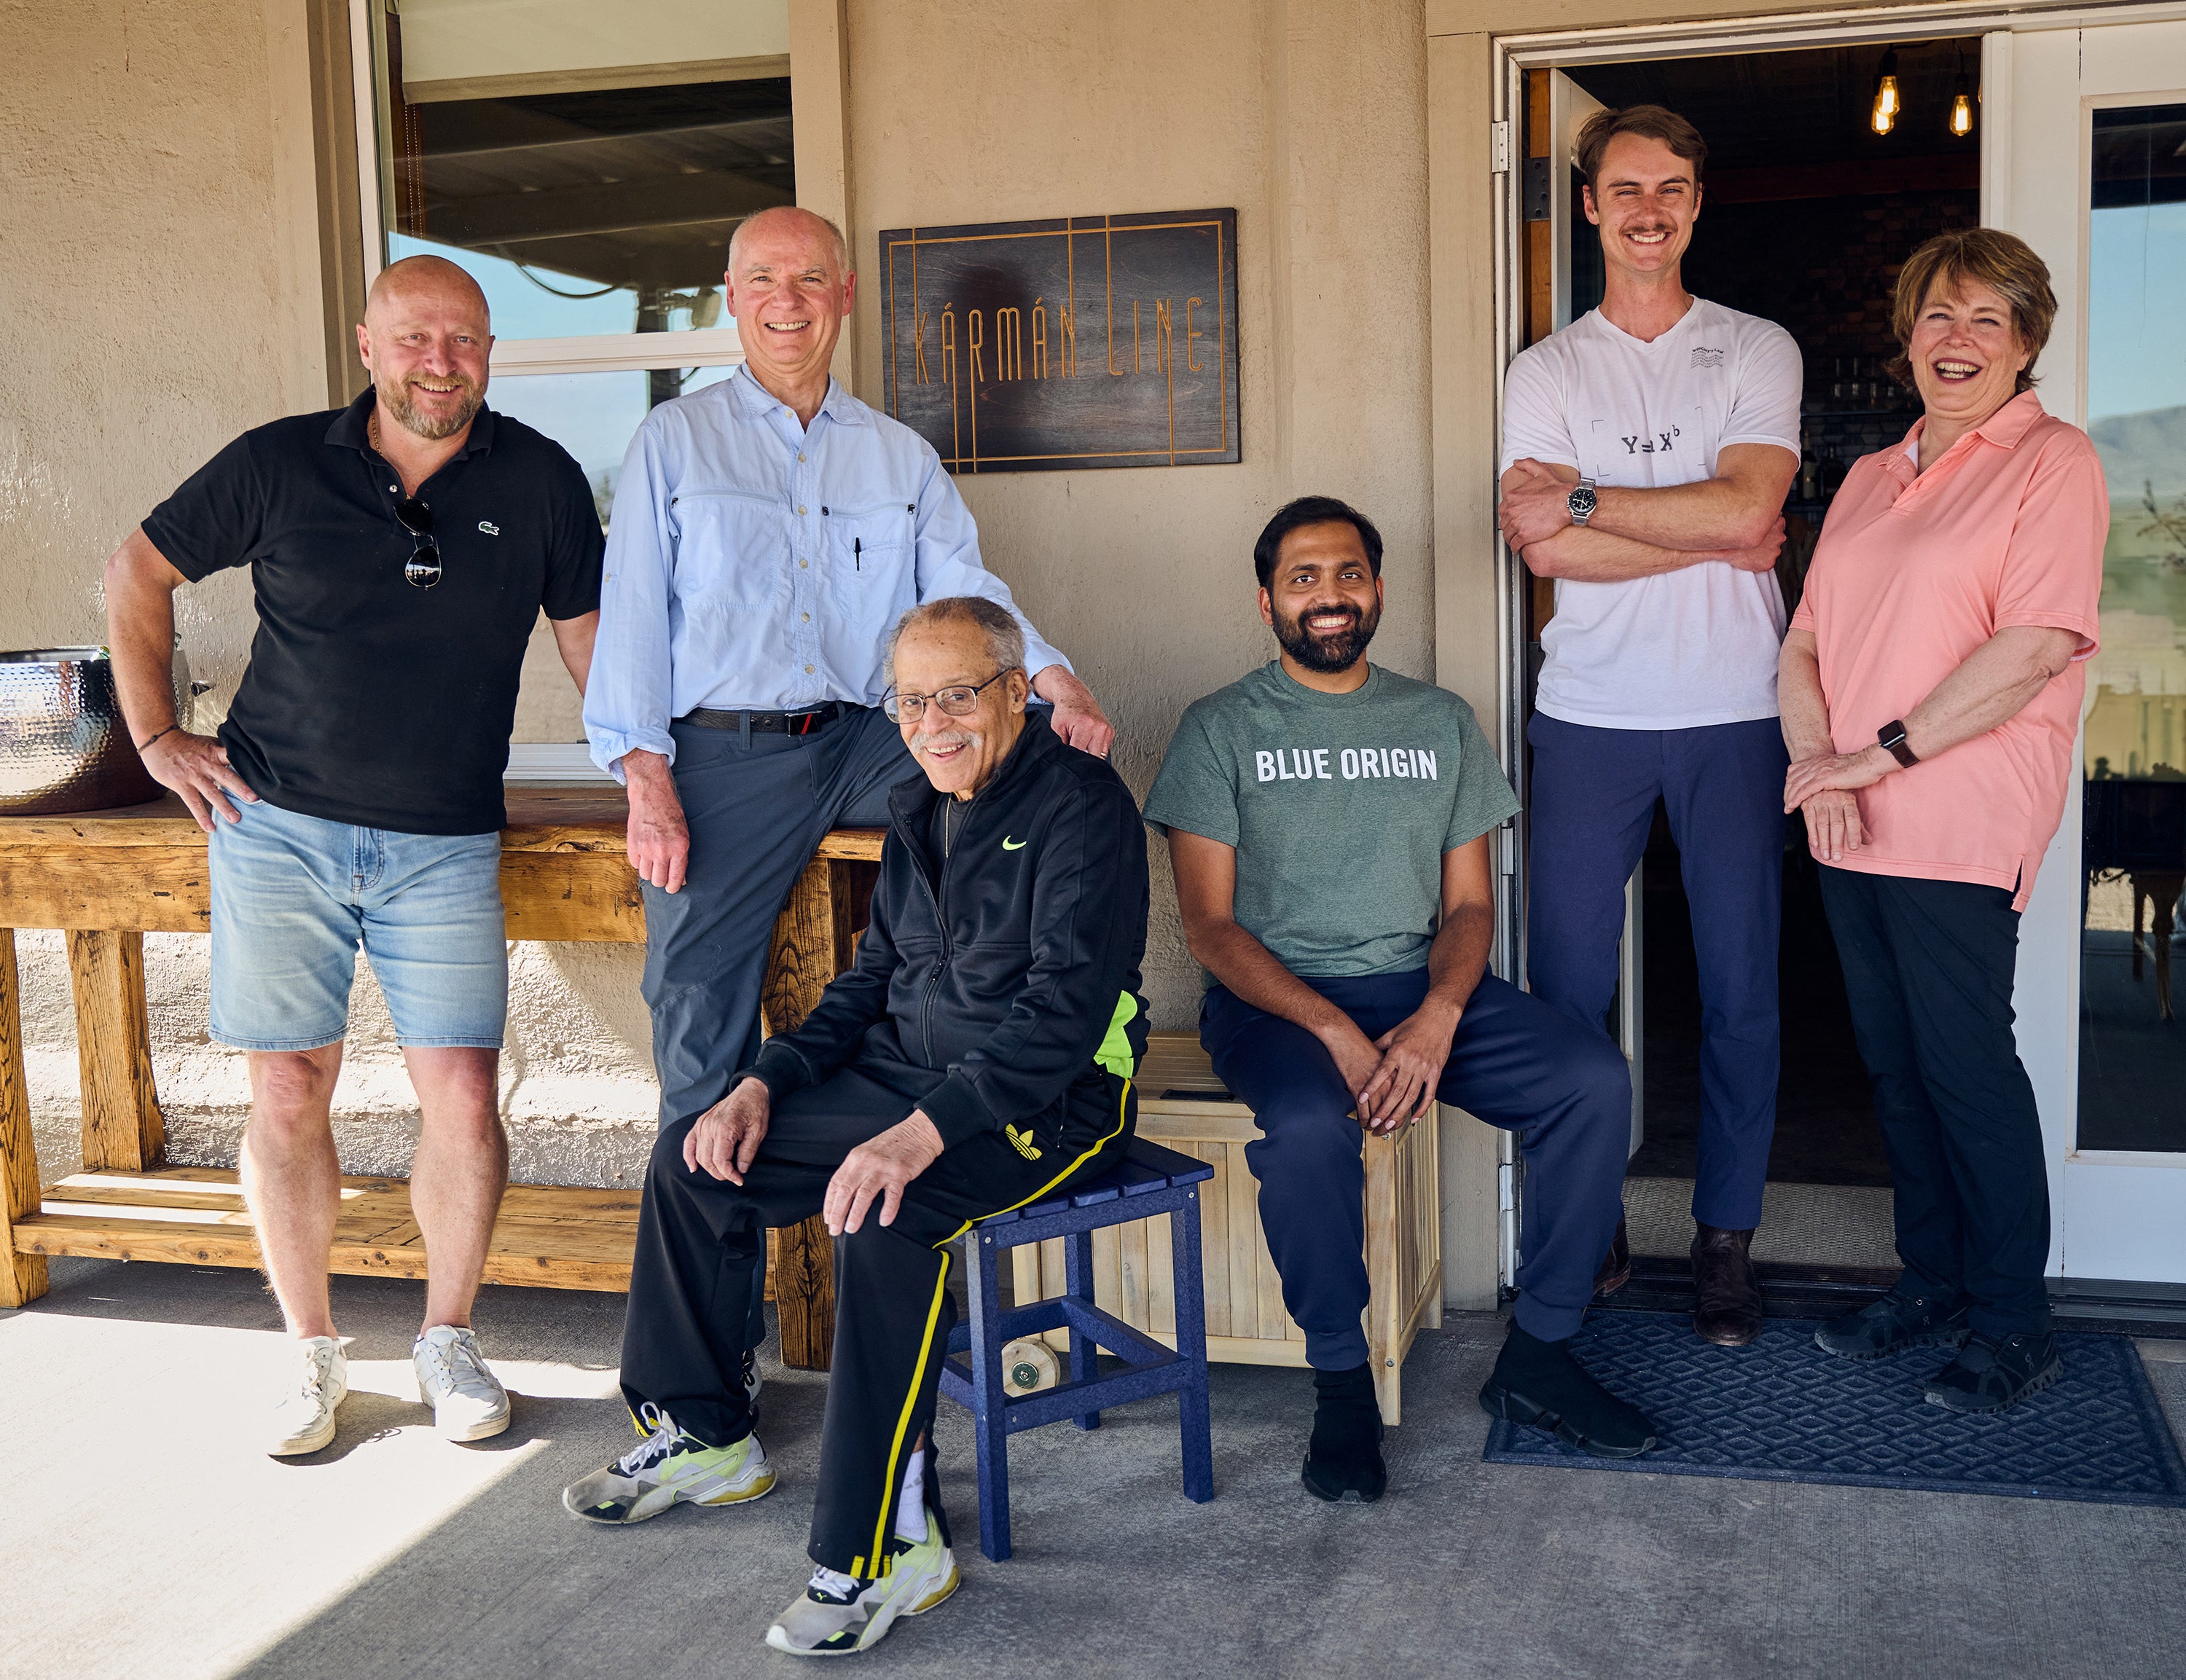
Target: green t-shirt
{"type": "Point", "coordinates": [1340, 807]}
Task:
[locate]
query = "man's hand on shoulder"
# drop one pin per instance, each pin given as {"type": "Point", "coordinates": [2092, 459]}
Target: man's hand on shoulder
{"type": "Point", "coordinates": [1536, 503]}
{"type": "Point", "coordinates": [1413, 1052]}
{"type": "Point", "coordinates": [729, 1133]}
{"type": "Point", "coordinates": [879, 1169]}
{"type": "Point", "coordinates": [196, 767]}
{"type": "Point", "coordinates": [659, 839]}
{"type": "Point", "coordinates": [1079, 718]}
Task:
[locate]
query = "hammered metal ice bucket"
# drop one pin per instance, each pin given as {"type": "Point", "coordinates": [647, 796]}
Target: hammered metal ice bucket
{"type": "Point", "coordinates": [63, 744]}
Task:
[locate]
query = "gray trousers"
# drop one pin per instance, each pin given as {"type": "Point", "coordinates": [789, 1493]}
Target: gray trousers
{"type": "Point", "coordinates": [758, 809]}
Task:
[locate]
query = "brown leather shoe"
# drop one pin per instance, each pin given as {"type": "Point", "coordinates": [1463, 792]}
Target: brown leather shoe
{"type": "Point", "coordinates": [1727, 1309]}
{"type": "Point", "coordinates": [1615, 1265]}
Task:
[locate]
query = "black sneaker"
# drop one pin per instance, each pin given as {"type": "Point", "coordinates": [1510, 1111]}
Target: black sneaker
{"type": "Point", "coordinates": [1538, 1383]}
{"type": "Point", "coordinates": [1903, 1318]}
{"type": "Point", "coordinates": [1344, 1461]}
{"type": "Point", "coordinates": [1989, 1376]}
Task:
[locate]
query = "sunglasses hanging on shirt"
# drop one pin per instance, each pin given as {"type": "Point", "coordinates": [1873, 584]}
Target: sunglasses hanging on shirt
{"type": "Point", "coordinates": [422, 568]}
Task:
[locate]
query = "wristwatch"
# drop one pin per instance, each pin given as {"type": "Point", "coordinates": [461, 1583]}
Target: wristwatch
{"type": "Point", "coordinates": [1581, 501]}
{"type": "Point", "coordinates": [1891, 734]}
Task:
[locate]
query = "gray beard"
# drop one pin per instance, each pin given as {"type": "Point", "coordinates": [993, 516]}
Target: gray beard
{"type": "Point", "coordinates": [405, 414]}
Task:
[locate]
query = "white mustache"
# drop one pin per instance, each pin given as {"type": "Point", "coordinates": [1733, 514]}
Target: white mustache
{"type": "Point", "coordinates": [955, 737]}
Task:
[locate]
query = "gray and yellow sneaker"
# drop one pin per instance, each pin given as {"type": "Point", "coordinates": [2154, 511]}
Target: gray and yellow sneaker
{"type": "Point", "coordinates": [837, 1614]}
{"type": "Point", "coordinates": [669, 1467]}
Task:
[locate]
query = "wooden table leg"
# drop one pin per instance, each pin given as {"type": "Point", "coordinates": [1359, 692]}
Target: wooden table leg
{"type": "Point", "coordinates": [812, 944]}
{"type": "Point", "coordinates": [123, 1129]}
{"type": "Point", "coordinates": [22, 1276]}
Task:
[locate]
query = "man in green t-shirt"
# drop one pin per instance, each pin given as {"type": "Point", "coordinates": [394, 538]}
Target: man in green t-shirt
{"type": "Point", "coordinates": [1328, 821]}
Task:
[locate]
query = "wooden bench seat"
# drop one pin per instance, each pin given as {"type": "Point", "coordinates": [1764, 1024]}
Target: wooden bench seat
{"type": "Point", "coordinates": [108, 877]}
{"type": "Point", "coordinates": [552, 1237]}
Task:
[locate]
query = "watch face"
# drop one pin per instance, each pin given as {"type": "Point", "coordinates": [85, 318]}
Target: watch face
{"type": "Point", "coordinates": [1581, 500]}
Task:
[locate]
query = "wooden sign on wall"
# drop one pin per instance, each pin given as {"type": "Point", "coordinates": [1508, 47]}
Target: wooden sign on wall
{"type": "Point", "coordinates": [1084, 341]}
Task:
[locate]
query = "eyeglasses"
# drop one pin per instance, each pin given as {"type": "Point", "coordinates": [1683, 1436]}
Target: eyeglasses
{"type": "Point", "coordinates": [422, 568]}
{"type": "Point", "coordinates": [958, 703]}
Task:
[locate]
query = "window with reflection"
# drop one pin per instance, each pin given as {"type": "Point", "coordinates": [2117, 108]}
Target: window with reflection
{"type": "Point", "coordinates": [587, 163]}
{"type": "Point", "coordinates": [2132, 1050]}
{"type": "Point", "coordinates": [594, 415]}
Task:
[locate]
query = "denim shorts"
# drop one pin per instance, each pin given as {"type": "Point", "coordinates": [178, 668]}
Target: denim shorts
{"type": "Point", "coordinates": [293, 898]}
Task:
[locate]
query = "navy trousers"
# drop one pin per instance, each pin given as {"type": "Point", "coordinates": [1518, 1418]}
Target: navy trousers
{"type": "Point", "coordinates": [1514, 1062]}
{"type": "Point", "coordinates": [1594, 801]}
{"type": "Point", "coordinates": [758, 810]}
{"type": "Point", "coordinates": [1929, 968]}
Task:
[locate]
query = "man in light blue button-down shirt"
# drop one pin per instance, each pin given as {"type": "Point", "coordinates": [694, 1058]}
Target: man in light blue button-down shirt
{"type": "Point", "coordinates": [768, 532]}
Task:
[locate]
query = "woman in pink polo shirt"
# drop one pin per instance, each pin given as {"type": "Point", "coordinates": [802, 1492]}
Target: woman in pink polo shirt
{"type": "Point", "coordinates": [1930, 691]}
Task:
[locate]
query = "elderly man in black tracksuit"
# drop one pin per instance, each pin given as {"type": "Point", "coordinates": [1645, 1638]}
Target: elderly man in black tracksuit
{"type": "Point", "coordinates": [978, 1055]}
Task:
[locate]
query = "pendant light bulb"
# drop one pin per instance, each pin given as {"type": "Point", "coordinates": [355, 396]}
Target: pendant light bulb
{"type": "Point", "coordinates": [1884, 117]}
{"type": "Point", "coordinates": [1962, 111]}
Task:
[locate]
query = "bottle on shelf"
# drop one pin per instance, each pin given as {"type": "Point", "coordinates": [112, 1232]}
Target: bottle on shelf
{"type": "Point", "coordinates": [1810, 470]}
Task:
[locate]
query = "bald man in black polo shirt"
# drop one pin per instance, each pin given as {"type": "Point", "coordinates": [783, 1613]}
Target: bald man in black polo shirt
{"type": "Point", "coordinates": [400, 551]}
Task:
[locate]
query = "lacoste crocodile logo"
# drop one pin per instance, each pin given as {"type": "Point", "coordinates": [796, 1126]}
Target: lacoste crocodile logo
{"type": "Point", "coordinates": [1010, 845]}
{"type": "Point", "coordinates": [489, 527]}
{"type": "Point", "coordinates": [1021, 1142]}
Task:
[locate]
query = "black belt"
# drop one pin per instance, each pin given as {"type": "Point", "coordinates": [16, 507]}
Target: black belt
{"type": "Point", "coordinates": [769, 723]}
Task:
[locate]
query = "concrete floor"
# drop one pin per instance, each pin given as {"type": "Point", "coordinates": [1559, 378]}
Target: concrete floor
{"type": "Point", "coordinates": [147, 1537]}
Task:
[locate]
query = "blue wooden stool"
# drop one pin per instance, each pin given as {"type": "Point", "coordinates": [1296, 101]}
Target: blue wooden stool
{"type": "Point", "coordinates": [1149, 1180]}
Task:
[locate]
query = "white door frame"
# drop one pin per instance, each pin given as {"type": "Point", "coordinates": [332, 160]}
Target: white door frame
{"type": "Point", "coordinates": [2116, 1213]}
{"type": "Point", "coordinates": [2013, 182]}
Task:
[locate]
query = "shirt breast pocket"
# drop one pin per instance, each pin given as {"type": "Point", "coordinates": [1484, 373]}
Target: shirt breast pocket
{"type": "Point", "coordinates": [872, 575]}
{"type": "Point", "coordinates": [731, 550]}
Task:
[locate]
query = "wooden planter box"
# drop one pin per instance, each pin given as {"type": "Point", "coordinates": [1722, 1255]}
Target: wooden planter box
{"type": "Point", "coordinates": [1246, 1323]}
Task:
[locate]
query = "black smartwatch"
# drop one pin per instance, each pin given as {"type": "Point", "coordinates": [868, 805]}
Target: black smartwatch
{"type": "Point", "coordinates": [1891, 734]}
{"type": "Point", "coordinates": [1580, 503]}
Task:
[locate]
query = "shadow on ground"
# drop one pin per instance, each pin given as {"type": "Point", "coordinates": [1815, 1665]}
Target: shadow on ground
{"type": "Point", "coordinates": [1465, 1569]}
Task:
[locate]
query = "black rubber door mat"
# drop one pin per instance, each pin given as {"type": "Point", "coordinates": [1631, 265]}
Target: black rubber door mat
{"type": "Point", "coordinates": [1782, 1410]}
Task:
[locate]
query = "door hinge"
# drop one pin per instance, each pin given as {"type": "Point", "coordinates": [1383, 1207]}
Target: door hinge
{"type": "Point", "coordinates": [1508, 843]}
{"type": "Point", "coordinates": [1506, 1187]}
{"type": "Point", "coordinates": [1498, 148]}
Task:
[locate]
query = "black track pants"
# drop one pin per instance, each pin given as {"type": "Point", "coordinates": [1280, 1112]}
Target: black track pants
{"type": "Point", "coordinates": [701, 1242]}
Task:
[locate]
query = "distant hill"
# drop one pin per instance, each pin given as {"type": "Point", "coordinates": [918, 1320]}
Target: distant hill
{"type": "Point", "coordinates": [2143, 448]}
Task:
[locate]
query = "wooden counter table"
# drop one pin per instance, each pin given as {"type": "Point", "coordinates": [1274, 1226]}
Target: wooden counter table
{"type": "Point", "coordinates": [109, 877]}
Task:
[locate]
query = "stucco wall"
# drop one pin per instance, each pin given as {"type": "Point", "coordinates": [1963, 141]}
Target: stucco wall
{"type": "Point", "coordinates": [159, 293]}
{"type": "Point", "coordinates": [154, 169]}
{"type": "Point", "coordinates": [1309, 120]}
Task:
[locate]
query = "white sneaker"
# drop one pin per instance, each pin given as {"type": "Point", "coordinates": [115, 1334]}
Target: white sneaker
{"type": "Point", "coordinates": [467, 1400]}
{"type": "Point", "coordinates": [838, 1614]}
{"type": "Point", "coordinates": [304, 1416]}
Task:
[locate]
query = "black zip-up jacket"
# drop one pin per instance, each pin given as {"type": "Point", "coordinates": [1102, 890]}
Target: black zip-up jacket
{"type": "Point", "coordinates": [1012, 966]}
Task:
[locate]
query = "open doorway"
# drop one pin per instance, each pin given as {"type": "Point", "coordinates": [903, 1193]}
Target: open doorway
{"type": "Point", "coordinates": [1808, 211]}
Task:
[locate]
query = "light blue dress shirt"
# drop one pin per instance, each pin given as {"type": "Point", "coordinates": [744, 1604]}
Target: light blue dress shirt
{"type": "Point", "coordinates": [754, 565]}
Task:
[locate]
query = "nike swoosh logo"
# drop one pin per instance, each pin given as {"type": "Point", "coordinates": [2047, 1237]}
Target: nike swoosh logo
{"type": "Point", "coordinates": [1010, 845]}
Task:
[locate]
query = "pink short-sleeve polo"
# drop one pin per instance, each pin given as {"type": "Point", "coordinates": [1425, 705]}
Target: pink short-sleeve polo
{"type": "Point", "coordinates": [1911, 575]}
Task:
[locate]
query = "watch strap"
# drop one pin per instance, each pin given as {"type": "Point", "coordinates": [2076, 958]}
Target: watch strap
{"type": "Point", "coordinates": [1892, 736]}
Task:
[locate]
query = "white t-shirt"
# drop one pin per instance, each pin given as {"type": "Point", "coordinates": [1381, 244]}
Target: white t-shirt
{"type": "Point", "coordinates": [1687, 648]}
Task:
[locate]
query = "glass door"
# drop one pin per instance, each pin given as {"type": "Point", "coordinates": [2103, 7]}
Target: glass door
{"type": "Point", "coordinates": [2097, 183]}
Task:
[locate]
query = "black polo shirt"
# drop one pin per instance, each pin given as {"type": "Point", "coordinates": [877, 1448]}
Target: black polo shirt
{"type": "Point", "coordinates": [367, 700]}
